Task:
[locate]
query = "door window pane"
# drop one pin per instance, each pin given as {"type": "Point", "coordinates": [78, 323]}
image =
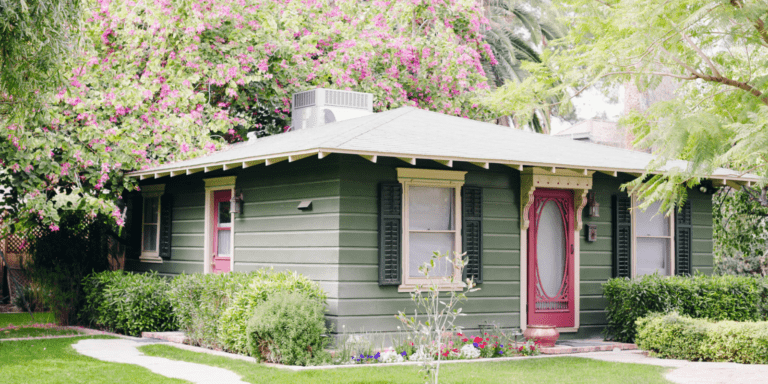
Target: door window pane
{"type": "Point", "coordinates": [651, 222]}
{"type": "Point", "coordinates": [150, 238]}
{"type": "Point", "coordinates": [421, 247]}
{"type": "Point", "coordinates": [150, 209]}
{"type": "Point", "coordinates": [430, 208]}
{"type": "Point", "coordinates": [225, 218]}
{"type": "Point", "coordinates": [550, 249]}
{"type": "Point", "coordinates": [223, 242]}
{"type": "Point", "coordinates": [652, 256]}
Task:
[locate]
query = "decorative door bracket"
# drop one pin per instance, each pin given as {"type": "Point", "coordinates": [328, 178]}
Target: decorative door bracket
{"type": "Point", "coordinates": [533, 178]}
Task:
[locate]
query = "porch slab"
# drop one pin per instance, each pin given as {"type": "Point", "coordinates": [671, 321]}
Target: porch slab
{"type": "Point", "coordinates": [174, 337]}
{"type": "Point", "coordinates": [585, 346]}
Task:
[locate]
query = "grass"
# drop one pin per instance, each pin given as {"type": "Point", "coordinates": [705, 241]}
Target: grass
{"type": "Point", "coordinates": [24, 318]}
{"type": "Point", "coordinates": [55, 361]}
{"type": "Point", "coordinates": [36, 332]}
{"type": "Point", "coordinates": [543, 370]}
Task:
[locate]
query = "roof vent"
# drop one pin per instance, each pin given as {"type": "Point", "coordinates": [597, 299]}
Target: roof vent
{"type": "Point", "coordinates": [317, 107]}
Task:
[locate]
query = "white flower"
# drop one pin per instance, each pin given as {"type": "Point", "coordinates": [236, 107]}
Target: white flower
{"type": "Point", "coordinates": [390, 356]}
{"type": "Point", "coordinates": [419, 355]}
{"type": "Point", "coordinates": [469, 352]}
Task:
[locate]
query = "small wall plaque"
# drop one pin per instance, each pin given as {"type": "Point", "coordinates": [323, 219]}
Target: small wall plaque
{"type": "Point", "coordinates": [591, 232]}
{"type": "Point", "coordinates": [305, 205]}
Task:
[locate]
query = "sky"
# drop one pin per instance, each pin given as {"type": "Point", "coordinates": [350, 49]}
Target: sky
{"type": "Point", "coordinates": [592, 103]}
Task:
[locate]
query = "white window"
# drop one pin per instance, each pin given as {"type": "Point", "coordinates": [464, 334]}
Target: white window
{"type": "Point", "coordinates": [150, 223]}
{"type": "Point", "coordinates": [653, 241]}
{"type": "Point", "coordinates": [431, 222]}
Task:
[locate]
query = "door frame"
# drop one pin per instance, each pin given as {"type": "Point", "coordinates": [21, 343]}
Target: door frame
{"type": "Point", "coordinates": [212, 185]}
{"type": "Point", "coordinates": [552, 178]}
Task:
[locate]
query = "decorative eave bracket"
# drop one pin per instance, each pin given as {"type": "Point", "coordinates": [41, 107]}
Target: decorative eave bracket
{"type": "Point", "coordinates": [533, 178]}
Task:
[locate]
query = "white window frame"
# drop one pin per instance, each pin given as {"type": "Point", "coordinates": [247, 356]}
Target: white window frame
{"type": "Point", "coordinates": [671, 237]}
{"type": "Point", "coordinates": [151, 192]}
{"type": "Point", "coordinates": [409, 177]}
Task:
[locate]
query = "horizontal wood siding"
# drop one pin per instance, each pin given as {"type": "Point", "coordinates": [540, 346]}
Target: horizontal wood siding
{"type": "Point", "coordinates": [363, 305]}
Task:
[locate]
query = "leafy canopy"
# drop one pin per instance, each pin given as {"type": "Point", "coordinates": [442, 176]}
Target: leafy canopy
{"type": "Point", "coordinates": [158, 81]}
{"type": "Point", "coordinates": [717, 52]}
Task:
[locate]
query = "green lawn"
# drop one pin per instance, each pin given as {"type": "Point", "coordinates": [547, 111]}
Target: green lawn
{"type": "Point", "coordinates": [539, 371]}
{"type": "Point", "coordinates": [24, 318]}
{"type": "Point", "coordinates": [55, 361]}
{"type": "Point", "coordinates": [35, 332]}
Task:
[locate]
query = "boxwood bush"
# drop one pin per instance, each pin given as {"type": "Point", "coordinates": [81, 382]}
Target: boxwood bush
{"type": "Point", "coordinates": [288, 328]}
{"type": "Point", "coordinates": [264, 283]}
{"type": "Point", "coordinates": [213, 309]}
{"type": "Point", "coordinates": [738, 298]}
{"type": "Point", "coordinates": [682, 337]}
{"type": "Point", "coordinates": [129, 303]}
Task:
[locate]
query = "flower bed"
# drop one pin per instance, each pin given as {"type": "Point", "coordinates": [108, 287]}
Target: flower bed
{"type": "Point", "coordinates": [458, 346]}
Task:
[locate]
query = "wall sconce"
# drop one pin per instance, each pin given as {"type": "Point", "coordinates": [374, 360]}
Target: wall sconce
{"type": "Point", "coordinates": [593, 208]}
{"type": "Point", "coordinates": [236, 203]}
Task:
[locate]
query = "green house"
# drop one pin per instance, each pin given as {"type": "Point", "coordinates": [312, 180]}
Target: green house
{"type": "Point", "coordinates": [358, 200]}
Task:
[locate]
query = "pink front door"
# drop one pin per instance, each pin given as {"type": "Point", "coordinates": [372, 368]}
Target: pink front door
{"type": "Point", "coordinates": [222, 232]}
{"type": "Point", "coordinates": [550, 259]}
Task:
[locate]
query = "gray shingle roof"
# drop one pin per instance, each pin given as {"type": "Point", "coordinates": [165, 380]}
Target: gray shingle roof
{"type": "Point", "coordinates": [414, 133]}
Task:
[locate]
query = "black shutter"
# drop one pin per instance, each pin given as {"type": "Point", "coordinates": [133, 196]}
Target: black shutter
{"type": "Point", "coordinates": [622, 236]}
{"type": "Point", "coordinates": [390, 233]}
{"type": "Point", "coordinates": [683, 236]}
{"type": "Point", "coordinates": [472, 232]}
{"type": "Point", "coordinates": [133, 223]}
{"type": "Point", "coordinates": [166, 225]}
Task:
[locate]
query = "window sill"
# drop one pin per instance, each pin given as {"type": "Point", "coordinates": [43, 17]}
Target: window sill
{"type": "Point", "coordinates": [442, 287]}
{"type": "Point", "coordinates": [150, 259]}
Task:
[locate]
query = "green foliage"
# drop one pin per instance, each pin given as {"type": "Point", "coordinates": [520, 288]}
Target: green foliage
{"type": "Point", "coordinates": [682, 337]}
{"type": "Point", "coordinates": [32, 298]}
{"type": "Point", "coordinates": [36, 37]}
{"type": "Point", "coordinates": [129, 303]}
{"type": "Point", "coordinates": [60, 259]}
{"type": "Point", "coordinates": [737, 298]}
{"type": "Point", "coordinates": [289, 328]}
{"type": "Point", "coordinates": [198, 301]}
{"type": "Point", "coordinates": [263, 283]}
{"type": "Point", "coordinates": [740, 234]}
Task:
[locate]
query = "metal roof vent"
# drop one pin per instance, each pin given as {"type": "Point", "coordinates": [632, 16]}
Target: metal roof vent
{"type": "Point", "coordinates": [317, 107]}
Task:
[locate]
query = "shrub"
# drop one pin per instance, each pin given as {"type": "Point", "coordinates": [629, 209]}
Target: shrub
{"type": "Point", "coordinates": [32, 298]}
{"type": "Point", "coordinates": [198, 301]}
{"type": "Point", "coordinates": [682, 337]}
{"type": "Point", "coordinates": [233, 322]}
{"type": "Point", "coordinates": [130, 303]}
{"type": "Point", "coordinates": [738, 298]}
{"type": "Point", "coordinates": [288, 328]}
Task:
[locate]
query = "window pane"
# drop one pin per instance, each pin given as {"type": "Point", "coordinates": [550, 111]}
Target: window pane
{"type": "Point", "coordinates": [550, 249]}
{"type": "Point", "coordinates": [225, 218]}
{"type": "Point", "coordinates": [421, 247]}
{"type": "Point", "coordinates": [150, 209]}
{"type": "Point", "coordinates": [150, 238]}
{"type": "Point", "coordinates": [223, 243]}
{"type": "Point", "coordinates": [652, 256]}
{"type": "Point", "coordinates": [430, 208]}
{"type": "Point", "coordinates": [651, 222]}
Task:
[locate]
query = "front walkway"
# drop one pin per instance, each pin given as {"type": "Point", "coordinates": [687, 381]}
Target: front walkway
{"type": "Point", "coordinates": [689, 372]}
{"type": "Point", "coordinates": [125, 351]}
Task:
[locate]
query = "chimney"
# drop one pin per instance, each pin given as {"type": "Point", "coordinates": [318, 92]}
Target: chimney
{"type": "Point", "coordinates": [318, 107]}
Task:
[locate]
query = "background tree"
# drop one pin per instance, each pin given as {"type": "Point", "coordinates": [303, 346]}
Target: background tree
{"type": "Point", "coordinates": [159, 81]}
{"type": "Point", "coordinates": [716, 50]}
{"type": "Point", "coordinates": [519, 31]}
{"type": "Point", "coordinates": [36, 36]}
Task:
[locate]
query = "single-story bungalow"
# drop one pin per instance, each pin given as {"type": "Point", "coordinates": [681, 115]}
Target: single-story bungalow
{"type": "Point", "coordinates": [358, 200]}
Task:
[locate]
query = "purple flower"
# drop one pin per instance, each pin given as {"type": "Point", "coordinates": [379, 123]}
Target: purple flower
{"type": "Point", "coordinates": [475, 345]}
{"type": "Point", "coordinates": [377, 355]}
{"type": "Point", "coordinates": [403, 354]}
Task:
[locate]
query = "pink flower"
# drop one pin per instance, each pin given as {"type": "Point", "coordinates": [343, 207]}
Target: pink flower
{"type": "Point", "coordinates": [53, 227]}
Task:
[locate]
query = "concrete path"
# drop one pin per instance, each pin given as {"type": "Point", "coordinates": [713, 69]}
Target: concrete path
{"type": "Point", "coordinates": [688, 372]}
{"type": "Point", "coordinates": [125, 351]}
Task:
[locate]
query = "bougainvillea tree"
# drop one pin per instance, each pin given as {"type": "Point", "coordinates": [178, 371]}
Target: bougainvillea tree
{"type": "Point", "coordinates": [166, 80]}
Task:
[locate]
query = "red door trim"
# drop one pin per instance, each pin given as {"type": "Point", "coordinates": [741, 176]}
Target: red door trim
{"type": "Point", "coordinates": [560, 309]}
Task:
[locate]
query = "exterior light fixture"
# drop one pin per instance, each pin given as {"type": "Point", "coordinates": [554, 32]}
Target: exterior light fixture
{"type": "Point", "coordinates": [236, 203]}
{"type": "Point", "coordinates": [593, 208]}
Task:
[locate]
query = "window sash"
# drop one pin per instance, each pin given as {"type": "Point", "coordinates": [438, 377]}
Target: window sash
{"type": "Point", "coordinates": [670, 262]}
{"type": "Point", "coordinates": [409, 282]}
{"type": "Point", "coordinates": [149, 222]}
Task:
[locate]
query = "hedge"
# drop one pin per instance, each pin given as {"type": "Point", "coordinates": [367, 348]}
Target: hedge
{"type": "Point", "coordinates": [682, 337]}
{"type": "Point", "coordinates": [130, 303]}
{"type": "Point", "coordinates": [738, 298]}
